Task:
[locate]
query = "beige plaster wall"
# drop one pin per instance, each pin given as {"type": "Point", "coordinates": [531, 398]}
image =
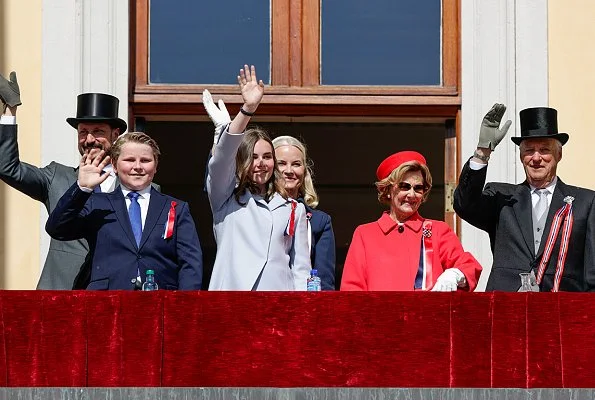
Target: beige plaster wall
{"type": "Point", "coordinates": [571, 48]}
{"type": "Point", "coordinates": [20, 50]}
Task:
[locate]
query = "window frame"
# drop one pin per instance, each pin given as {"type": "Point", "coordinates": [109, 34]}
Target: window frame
{"type": "Point", "coordinates": [295, 75]}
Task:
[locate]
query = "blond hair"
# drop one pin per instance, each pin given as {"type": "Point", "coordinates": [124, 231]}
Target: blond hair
{"type": "Point", "coordinates": [306, 188]}
{"type": "Point", "coordinates": [385, 185]}
{"type": "Point", "coordinates": [133, 137]}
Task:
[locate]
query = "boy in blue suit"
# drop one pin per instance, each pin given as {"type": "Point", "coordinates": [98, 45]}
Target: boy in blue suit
{"type": "Point", "coordinates": [133, 229]}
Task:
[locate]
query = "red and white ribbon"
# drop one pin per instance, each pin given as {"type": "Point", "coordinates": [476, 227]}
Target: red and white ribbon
{"type": "Point", "coordinates": [428, 255]}
{"type": "Point", "coordinates": [291, 225]}
{"type": "Point", "coordinates": [171, 218]}
{"type": "Point", "coordinates": [564, 213]}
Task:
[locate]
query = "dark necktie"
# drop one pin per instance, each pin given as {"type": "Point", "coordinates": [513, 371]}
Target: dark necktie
{"type": "Point", "coordinates": [135, 217]}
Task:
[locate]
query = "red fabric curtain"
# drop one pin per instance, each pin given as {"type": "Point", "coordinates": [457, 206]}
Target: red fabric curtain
{"type": "Point", "coordinates": [326, 339]}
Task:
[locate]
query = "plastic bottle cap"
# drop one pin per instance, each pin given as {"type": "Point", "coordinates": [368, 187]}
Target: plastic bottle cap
{"type": "Point", "coordinates": [150, 272]}
{"type": "Point", "coordinates": [314, 272]}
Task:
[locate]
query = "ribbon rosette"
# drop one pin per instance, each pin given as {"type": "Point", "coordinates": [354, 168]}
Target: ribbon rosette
{"type": "Point", "coordinates": [428, 278]}
{"type": "Point", "coordinates": [427, 231]}
{"type": "Point", "coordinates": [171, 218]}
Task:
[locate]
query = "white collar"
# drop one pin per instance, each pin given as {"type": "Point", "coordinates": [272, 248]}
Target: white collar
{"type": "Point", "coordinates": [550, 188]}
{"type": "Point", "coordinates": [142, 193]}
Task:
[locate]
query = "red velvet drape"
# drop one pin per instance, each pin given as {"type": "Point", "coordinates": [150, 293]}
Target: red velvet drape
{"type": "Point", "coordinates": [377, 339]}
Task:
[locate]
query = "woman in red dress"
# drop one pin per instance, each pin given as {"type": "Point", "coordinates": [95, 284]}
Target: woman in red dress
{"type": "Point", "coordinates": [402, 250]}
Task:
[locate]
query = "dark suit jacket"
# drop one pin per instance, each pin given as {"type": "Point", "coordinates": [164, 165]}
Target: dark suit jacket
{"type": "Point", "coordinates": [322, 249]}
{"type": "Point", "coordinates": [504, 211]}
{"type": "Point", "coordinates": [102, 219]}
{"type": "Point", "coordinates": [47, 185]}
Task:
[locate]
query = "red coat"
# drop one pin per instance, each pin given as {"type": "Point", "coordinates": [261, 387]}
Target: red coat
{"type": "Point", "coordinates": [382, 258]}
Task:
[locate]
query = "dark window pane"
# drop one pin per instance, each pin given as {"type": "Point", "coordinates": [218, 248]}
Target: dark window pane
{"type": "Point", "coordinates": [381, 42]}
{"type": "Point", "coordinates": [208, 41]}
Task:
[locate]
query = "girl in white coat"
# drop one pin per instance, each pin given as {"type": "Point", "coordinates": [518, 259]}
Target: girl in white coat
{"type": "Point", "coordinates": [261, 233]}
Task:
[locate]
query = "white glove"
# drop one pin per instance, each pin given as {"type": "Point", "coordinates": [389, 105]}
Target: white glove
{"type": "Point", "coordinates": [449, 281]}
{"type": "Point", "coordinates": [219, 115]}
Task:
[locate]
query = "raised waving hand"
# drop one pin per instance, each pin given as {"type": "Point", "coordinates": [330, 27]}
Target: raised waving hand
{"type": "Point", "coordinates": [252, 92]}
{"type": "Point", "coordinates": [91, 168]}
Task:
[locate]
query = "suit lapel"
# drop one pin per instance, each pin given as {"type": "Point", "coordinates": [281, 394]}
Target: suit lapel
{"type": "Point", "coordinates": [116, 182]}
{"type": "Point", "coordinates": [119, 205]}
{"type": "Point", "coordinates": [314, 218]}
{"type": "Point", "coordinates": [523, 214]}
{"type": "Point", "coordinates": [156, 208]}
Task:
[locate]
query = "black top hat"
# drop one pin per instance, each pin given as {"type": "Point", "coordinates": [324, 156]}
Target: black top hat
{"type": "Point", "coordinates": [97, 108]}
{"type": "Point", "coordinates": [539, 122]}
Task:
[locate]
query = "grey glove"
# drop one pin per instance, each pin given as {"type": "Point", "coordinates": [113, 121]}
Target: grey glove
{"type": "Point", "coordinates": [9, 90]}
{"type": "Point", "coordinates": [489, 134]}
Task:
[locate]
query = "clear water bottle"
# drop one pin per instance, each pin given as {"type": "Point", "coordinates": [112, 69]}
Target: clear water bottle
{"type": "Point", "coordinates": [313, 284]}
{"type": "Point", "coordinates": [528, 282]}
{"type": "Point", "coordinates": [150, 283]}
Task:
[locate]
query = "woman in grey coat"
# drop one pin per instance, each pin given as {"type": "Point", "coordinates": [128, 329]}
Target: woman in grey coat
{"type": "Point", "coordinates": [261, 233]}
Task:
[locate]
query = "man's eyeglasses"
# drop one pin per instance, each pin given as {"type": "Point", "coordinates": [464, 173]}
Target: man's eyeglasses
{"type": "Point", "coordinates": [405, 187]}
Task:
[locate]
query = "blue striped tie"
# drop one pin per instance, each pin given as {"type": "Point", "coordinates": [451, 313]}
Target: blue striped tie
{"type": "Point", "coordinates": [134, 216]}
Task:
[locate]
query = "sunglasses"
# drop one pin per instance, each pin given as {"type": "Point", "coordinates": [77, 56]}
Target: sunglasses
{"type": "Point", "coordinates": [405, 187]}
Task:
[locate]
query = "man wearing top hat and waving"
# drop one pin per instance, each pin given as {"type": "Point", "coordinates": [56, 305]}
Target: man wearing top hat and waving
{"type": "Point", "coordinates": [98, 125]}
{"type": "Point", "coordinates": [541, 226]}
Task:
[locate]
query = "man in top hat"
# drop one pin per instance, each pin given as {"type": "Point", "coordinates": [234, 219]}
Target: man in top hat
{"type": "Point", "coordinates": [98, 125]}
{"type": "Point", "coordinates": [542, 225]}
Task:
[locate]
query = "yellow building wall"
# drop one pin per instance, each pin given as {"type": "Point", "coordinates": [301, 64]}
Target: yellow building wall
{"type": "Point", "coordinates": [571, 52]}
{"type": "Point", "coordinates": [20, 50]}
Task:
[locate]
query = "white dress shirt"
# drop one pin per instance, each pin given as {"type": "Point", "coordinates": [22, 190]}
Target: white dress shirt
{"type": "Point", "coordinates": [109, 184]}
{"type": "Point", "coordinates": [8, 120]}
